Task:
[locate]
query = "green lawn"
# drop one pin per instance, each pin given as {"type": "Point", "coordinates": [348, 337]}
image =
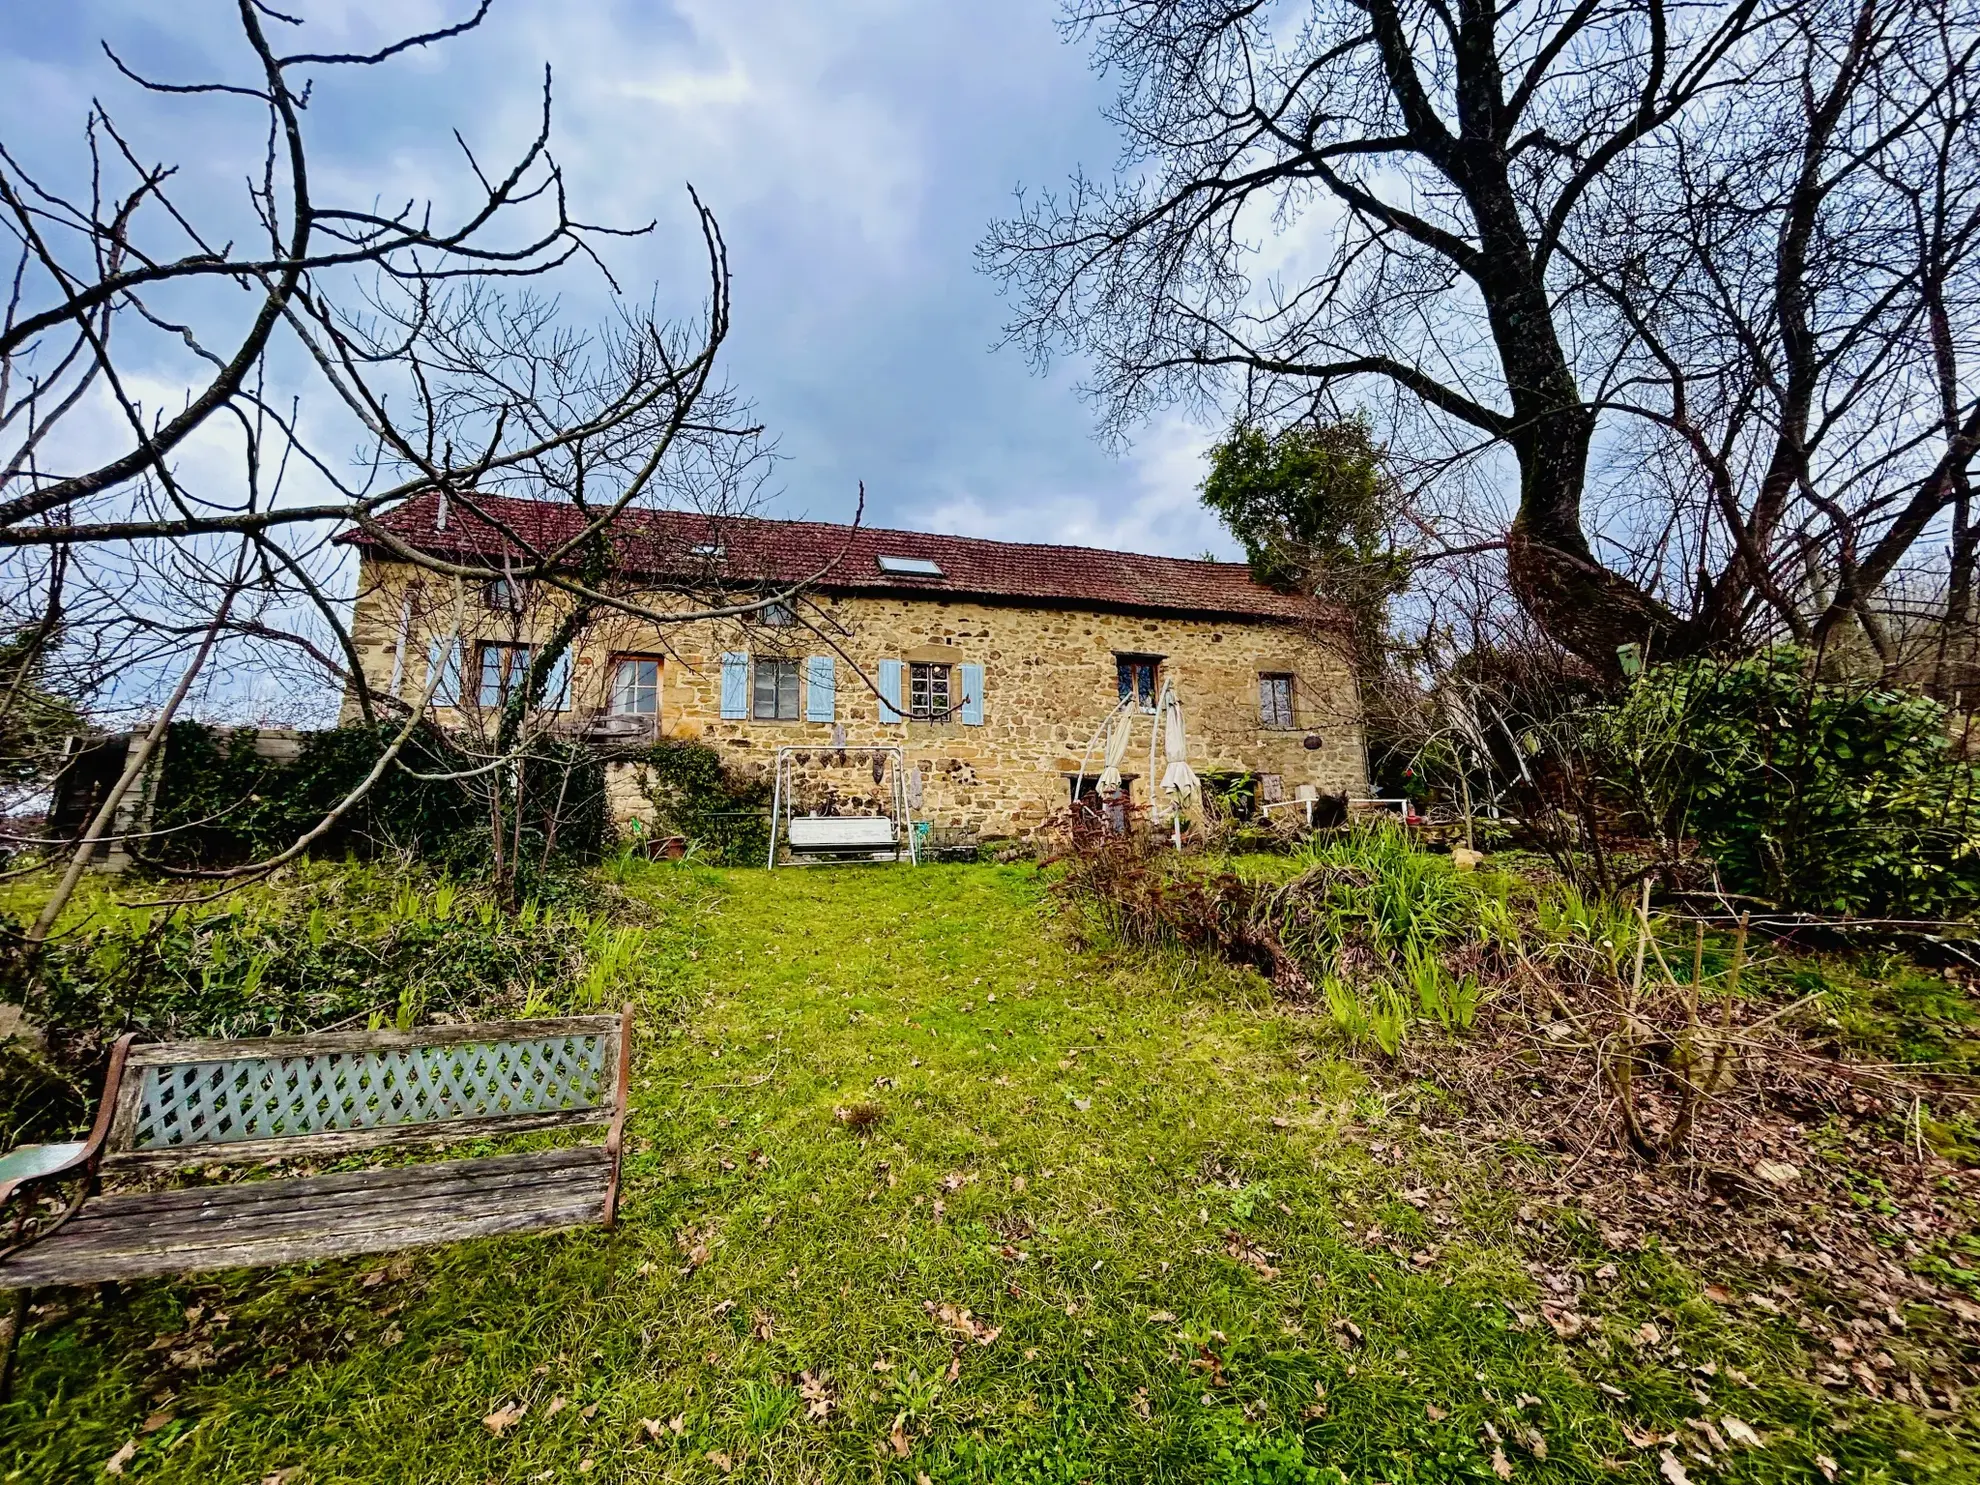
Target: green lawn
{"type": "Point", "coordinates": [1115, 1219]}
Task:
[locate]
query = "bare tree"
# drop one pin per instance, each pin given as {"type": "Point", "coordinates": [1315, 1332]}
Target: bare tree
{"type": "Point", "coordinates": [1704, 272]}
{"type": "Point", "coordinates": [338, 361]}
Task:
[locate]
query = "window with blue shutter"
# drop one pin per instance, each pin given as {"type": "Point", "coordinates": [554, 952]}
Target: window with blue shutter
{"type": "Point", "coordinates": [735, 687]}
{"type": "Point", "coordinates": [971, 677]}
{"type": "Point", "coordinates": [444, 656]}
{"type": "Point", "coordinates": [820, 696]}
{"type": "Point", "coordinates": [557, 686]}
{"type": "Point", "coordinates": [890, 690]}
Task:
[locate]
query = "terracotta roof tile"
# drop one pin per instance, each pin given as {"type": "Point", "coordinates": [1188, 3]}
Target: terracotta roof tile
{"type": "Point", "coordinates": [657, 543]}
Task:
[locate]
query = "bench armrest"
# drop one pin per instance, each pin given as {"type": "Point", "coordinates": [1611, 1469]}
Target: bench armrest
{"type": "Point", "coordinates": [38, 1162]}
{"type": "Point", "coordinates": [29, 1163]}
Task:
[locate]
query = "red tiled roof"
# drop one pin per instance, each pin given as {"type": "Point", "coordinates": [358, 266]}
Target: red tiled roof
{"type": "Point", "coordinates": [658, 543]}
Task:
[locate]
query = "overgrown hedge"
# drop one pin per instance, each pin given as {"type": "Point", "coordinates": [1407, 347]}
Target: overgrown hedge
{"type": "Point", "coordinates": [219, 802]}
{"type": "Point", "coordinates": [724, 814]}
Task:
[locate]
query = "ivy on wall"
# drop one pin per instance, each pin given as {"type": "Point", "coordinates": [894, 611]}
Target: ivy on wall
{"type": "Point", "coordinates": [219, 801]}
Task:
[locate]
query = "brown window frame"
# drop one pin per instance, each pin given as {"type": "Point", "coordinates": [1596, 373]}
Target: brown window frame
{"type": "Point", "coordinates": [512, 674]}
{"type": "Point", "coordinates": [630, 657]}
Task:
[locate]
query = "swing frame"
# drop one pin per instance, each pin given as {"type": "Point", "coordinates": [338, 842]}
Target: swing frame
{"type": "Point", "coordinates": [848, 850]}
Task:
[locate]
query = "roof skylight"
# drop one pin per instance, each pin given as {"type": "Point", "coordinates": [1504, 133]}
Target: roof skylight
{"type": "Point", "coordinates": [908, 566]}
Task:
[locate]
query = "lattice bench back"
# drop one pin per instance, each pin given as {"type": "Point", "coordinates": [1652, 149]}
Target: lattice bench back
{"type": "Point", "coordinates": [258, 1097]}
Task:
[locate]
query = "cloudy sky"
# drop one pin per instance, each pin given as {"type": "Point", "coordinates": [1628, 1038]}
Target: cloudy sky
{"type": "Point", "coordinates": [854, 151]}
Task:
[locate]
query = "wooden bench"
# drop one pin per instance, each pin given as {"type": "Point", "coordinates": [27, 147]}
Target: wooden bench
{"type": "Point", "coordinates": [318, 1098]}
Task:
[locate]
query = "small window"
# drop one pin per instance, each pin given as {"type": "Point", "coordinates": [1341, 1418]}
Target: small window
{"type": "Point", "coordinates": [908, 566]}
{"type": "Point", "coordinates": [503, 668]}
{"type": "Point", "coordinates": [776, 695]}
{"type": "Point", "coordinates": [504, 595]}
{"type": "Point", "coordinates": [1275, 701]}
{"type": "Point", "coordinates": [928, 692]}
{"type": "Point", "coordinates": [635, 687]}
{"type": "Point", "coordinates": [1137, 678]}
{"type": "Point", "coordinates": [707, 551]}
{"type": "Point", "coordinates": [778, 616]}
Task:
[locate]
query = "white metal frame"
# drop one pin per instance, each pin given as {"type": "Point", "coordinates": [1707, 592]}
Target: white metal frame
{"type": "Point", "coordinates": [901, 814]}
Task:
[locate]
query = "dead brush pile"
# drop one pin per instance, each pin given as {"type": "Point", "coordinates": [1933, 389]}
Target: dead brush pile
{"type": "Point", "coordinates": [1679, 1086]}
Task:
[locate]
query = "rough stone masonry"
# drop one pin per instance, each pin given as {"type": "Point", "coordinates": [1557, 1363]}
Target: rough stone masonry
{"type": "Point", "coordinates": [1047, 637]}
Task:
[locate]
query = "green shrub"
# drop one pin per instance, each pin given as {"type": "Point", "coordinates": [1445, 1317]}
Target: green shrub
{"type": "Point", "coordinates": [1817, 795]}
{"type": "Point", "coordinates": [219, 802]}
{"type": "Point", "coordinates": [329, 947]}
{"type": "Point", "coordinates": [725, 816]}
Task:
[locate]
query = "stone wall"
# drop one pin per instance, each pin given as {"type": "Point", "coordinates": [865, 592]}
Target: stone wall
{"type": "Point", "coordinates": [1049, 680]}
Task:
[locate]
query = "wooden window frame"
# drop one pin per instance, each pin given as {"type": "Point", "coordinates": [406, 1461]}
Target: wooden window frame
{"type": "Point", "coordinates": [503, 595]}
{"type": "Point", "coordinates": [612, 665]}
{"type": "Point", "coordinates": [510, 674]}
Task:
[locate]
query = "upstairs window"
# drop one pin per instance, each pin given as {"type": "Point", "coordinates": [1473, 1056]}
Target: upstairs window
{"type": "Point", "coordinates": [635, 687]}
{"type": "Point", "coordinates": [503, 594]}
{"type": "Point", "coordinates": [1275, 701]}
{"type": "Point", "coordinates": [504, 668]}
{"type": "Point", "coordinates": [775, 698]}
{"type": "Point", "coordinates": [1137, 675]}
{"type": "Point", "coordinates": [928, 692]}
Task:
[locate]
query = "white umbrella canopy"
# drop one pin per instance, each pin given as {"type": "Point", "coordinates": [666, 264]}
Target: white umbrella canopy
{"type": "Point", "coordinates": [1117, 746]}
{"type": "Point", "coordinates": [1179, 780]}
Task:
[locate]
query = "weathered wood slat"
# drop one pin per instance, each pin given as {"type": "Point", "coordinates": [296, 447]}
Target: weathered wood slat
{"type": "Point", "coordinates": [37, 1268]}
{"type": "Point", "coordinates": [306, 1220]}
{"type": "Point", "coordinates": [314, 1217]}
{"type": "Point", "coordinates": [329, 1146]}
{"type": "Point", "coordinates": [385, 1188]}
{"type": "Point", "coordinates": [162, 1054]}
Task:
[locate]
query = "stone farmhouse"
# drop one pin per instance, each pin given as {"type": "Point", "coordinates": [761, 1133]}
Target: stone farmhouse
{"type": "Point", "coordinates": [991, 663]}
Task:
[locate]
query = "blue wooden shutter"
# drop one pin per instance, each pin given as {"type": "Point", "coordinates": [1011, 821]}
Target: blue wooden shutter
{"type": "Point", "coordinates": [820, 692]}
{"type": "Point", "coordinates": [444, 655]}
{"type": "Point", "coordinates": [972, 694]}
{"type": "Point", "coordinates": [557, 685]}
{"type": "Point", "coordinates": [735, 687]}
{"type": "Point", "coordinates": [890, 690]}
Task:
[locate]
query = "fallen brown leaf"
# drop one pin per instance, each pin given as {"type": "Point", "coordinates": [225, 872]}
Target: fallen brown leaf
{"type": "Point", "coordinates": [963, 1322]}
{"type": "Point", "coordinates": [819, 1395]}
{"type": "Point", "coordinates": [1501, 1466]}
{"type": "Point", "coordinates": [114, 1465]}
{"type": "Point", "coordinates": [503, 1418]}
